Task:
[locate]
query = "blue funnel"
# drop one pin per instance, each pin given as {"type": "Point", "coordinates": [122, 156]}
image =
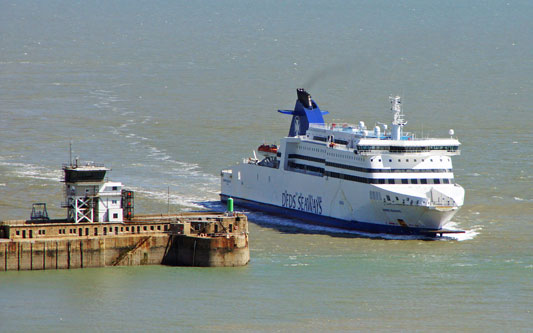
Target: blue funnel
{"type": "Point", "coordinates": [305, 112]}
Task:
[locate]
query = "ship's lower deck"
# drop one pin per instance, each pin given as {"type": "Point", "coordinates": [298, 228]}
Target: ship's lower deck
{"type": "Point", "coordinates": [381, 208]}
{"type": "Point", "coordinates": [320, 220]}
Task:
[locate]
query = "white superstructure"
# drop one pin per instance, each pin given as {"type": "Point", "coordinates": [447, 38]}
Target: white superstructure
{"type": "Point", "coordinates": [349, 176]}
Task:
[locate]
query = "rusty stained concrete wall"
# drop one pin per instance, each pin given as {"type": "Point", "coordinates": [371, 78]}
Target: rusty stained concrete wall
{"type": "Point", "coordinates": [83, 252]}
{"type": "Point", "coordinates": [208, 251]}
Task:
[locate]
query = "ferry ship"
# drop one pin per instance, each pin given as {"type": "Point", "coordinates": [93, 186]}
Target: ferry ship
{"type": "Point", "coordinates": [380, 180]}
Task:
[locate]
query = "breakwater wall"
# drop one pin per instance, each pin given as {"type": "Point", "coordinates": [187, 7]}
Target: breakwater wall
{"type": "Point", "coordinates": [43, 254]}
{"type": "Point", "coordinates": [183, 240]}
{"type": "Point", "coordinates": [207, 251]}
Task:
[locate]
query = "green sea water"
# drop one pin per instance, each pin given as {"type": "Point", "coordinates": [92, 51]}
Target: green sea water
{"type": "Point", "coordinates": [169, 93]}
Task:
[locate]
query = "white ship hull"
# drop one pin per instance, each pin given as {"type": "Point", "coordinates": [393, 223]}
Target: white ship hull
{"type": "Point", "coordinates": [334, 202]}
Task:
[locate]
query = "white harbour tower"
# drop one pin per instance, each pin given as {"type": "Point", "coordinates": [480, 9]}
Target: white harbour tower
{"type": "Point", "coordinates": [89, 197]}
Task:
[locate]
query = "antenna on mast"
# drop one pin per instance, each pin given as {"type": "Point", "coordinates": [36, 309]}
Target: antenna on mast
{"type": "Point", "coordinates": [396, 107]}
{"type": "Point", "coordinates": [398, 122]}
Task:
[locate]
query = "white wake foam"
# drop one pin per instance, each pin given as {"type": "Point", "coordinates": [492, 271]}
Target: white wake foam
{"type": "Point", "coordinates": [26, 170]}
{"type": "Point", "coordinates": [469, 234]}
{"type": "Point", "coordinates": [175, 199]}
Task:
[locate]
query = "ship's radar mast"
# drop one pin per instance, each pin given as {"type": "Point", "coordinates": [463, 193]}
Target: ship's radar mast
{"type": "Point", "coordinates": [399, 121]}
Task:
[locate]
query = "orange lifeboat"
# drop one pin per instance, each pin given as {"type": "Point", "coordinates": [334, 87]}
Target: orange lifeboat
{"type": "Point", "coordinates": [268, 150]}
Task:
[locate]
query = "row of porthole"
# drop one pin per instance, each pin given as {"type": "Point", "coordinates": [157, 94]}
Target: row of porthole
{"type": "Point", "coordinates": [407, 160]}
{"type": "Point", "coordinates": [312, 149]}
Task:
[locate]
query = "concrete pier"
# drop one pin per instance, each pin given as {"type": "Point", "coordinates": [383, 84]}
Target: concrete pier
{"type": "Point", "coordinates": [204, 243]}
{"type": "Point", "coordinates": [190, 239]}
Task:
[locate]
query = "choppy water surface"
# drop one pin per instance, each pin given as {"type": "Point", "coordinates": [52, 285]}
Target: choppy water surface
{"type": "Point", "coordinates": [167, 94]}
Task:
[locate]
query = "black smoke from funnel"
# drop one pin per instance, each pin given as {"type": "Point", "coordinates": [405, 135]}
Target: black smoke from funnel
{"type": "Point", "coordinates": [328, 72]}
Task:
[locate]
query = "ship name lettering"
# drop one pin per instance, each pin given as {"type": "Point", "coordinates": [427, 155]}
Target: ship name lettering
{"type": "Point", "coordinates": [306, 203]}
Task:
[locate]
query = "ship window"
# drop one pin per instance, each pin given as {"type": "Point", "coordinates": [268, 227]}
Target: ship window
{"type": "Point", "coordinates": [115, 188]}
{"type": "Point", "coordinates": [407, 160]}
{"type": "Point", "coordinates": [390, 160]}
{"type": "Point", "coordinates": [405, 181]}
{"type": "Point", "coordinates": [388, 197]}
{"type": "Point", "coordinates": [414, 181]}
{"type": "Point", "coordinates": [115, 215]}
{"type": "Point", "coordinates": [391, 181]}
{"type": "Point", "coordinates": [436, 181]}
{"type": "Point", "coordinates": [423, 181]}
{"type": "Point", "coordinates": [446, 181]}
{"type": "Point", "coordinates": [415, 159]}
{"type": "Point", "coordinates": [399, 160]}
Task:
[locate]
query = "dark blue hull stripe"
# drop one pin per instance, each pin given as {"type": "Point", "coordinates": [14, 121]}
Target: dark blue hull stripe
{"type": "Point", "coordinates": [327, 221]}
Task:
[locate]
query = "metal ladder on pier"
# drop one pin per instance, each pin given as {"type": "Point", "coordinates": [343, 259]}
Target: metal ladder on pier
{"type": "Point", "coordinates": [127, 254]}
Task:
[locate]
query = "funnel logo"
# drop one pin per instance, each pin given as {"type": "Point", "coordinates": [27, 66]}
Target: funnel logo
{"type": "Point", "coordinates": [297, 125]}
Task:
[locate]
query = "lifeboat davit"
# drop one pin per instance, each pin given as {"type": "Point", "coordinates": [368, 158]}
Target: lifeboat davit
{"type": "Point", "coordinates": [268, 150]}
